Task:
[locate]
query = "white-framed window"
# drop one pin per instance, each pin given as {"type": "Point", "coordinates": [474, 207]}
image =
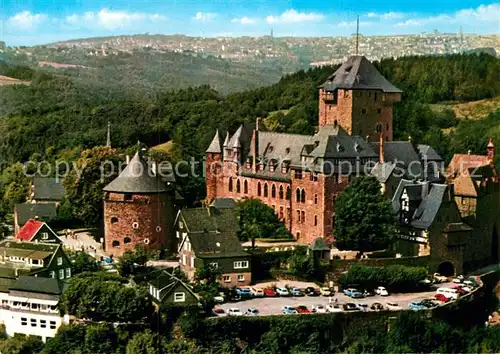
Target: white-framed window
{"type": "Point", "coordinates": [45, 235]}
{"type": "Point", "coordinates": [59, 260]}
{"type": "Point", "coordinates": [181, 225]}
{"type": "Point", "coordinates": [179, 297]}
{"type": "Point", "coordinates": [43, 323]}
{"type": "Point", "coordinates": [241, 264]}
{"type": "Point", "coordinates": [192, 262]}
{"type": "Point", "coordinates": [214, 265]}
{"type": "Point", "coordinates": [24, 321]}
{"type": "Point", "coordinates": [226, 278]}
{"type": "Point", "coordinates": [177, 234]}
{"type": "Point", "coordinates": [52, 324]}
{"type": "Point", "coordinates": [52, 274]}
{"type": "Point", "coordinates": [241, 277]}
{"type": "Point", "coordinates": [33, 322]}
{"type": "Point", "coordinates": [68, 272]}
{"type": "Point", "coordinates": [61, 273]}
{"type": "Point", "coordinates": [184, 260]}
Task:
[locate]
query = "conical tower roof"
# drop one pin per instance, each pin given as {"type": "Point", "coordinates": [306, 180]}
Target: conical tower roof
{"type": "Point", "coordinates": [215, 145]}
{"type": "Point", "coordinates": [137, 178]}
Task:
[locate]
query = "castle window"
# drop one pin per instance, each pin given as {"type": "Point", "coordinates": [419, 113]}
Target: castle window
{"type": "Point", "coordinates": [271, 167]}
{"type": "Point", "coordinates": [313, 176]}
{"type": "Point", "coordinates": [245, 187]}
{"type": "Point", "coordinates": [379, 110]}
{"type": "Point", "coordinates": [230, 184]}
{"type": "Point", "coordinates": [114, 220]}
{"type": "Point", "coordinates": [287, 150]}
{"type": "Point", "coordinates": [127, 240]}
{"type": "Point", "coordinates": [315, 220]}
{"type": "Point", "coordinates": [259, 189]}
{"type": "Point", "coordinates": [127, 197]}
{"type": "Point", "coordinates": [115, 243]}
{"type": "Point", "coordinates": [335, 122]}
{"type": "Point", "coordinates": [281, 212]}
{"type": "Point", "coordinates": [363, 111]}
{"type": "Point", "coordinates": [281, 192]}
{"type": "Point", "coordinates": [375, 96]}
{"type": "Point", "coordinates": [297, 195]}
{"type": "Point", "coordinates": [303, 196]}
{"type": "Point", "coordinates": [288, 193]}
{"type": "Point", "coordinates": [315, 199]}
{"type": "Point", "coordinates": [135, 225]}
{"type": "Point", "coordinates": [265, 190]}
{"type": "Point", "coordinates": [387, 126]}
{"type": "Point", "coordinates": [158, 228]}
{"type": "Point", "coordinates": [298, 234]}
{"type": "Point", "coordinates": [238, 186]}
{"type": "Point", "coordinates": [302, 216]}
{"type": "Point", "coordinates": [379, 128]}
{"type": "Point", "coordinates": [298, 174]}
{"type": "Point", "coordinates": [261, 167]}
{"type": "Point", "coordinates": [298, 216]}
{"type": "Point", "coordinates": [273, 191]}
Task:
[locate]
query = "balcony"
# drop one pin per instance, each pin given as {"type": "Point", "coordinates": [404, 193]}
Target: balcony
{"type": "Point", "coordinates": [330, 97]}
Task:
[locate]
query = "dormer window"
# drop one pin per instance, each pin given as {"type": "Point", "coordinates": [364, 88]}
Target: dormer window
{"type": "Point", "coordinates": [271, 149]}
{"type": "Point", "coordinates": [357, 147]}
{"type": "Point", "coordinates": [340, 148]}
{"type": "Point", "coordinates": [287, 150]}
{"type": "Point", "coordinates": [261, 166]}
{"type": "Point", "coordinates": [271, 167]}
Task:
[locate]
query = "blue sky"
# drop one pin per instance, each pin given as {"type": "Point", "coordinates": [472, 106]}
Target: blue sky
{"type": "Point", "coordinates": [28, 22]}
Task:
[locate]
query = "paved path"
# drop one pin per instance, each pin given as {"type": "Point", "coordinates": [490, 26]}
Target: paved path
{"type": "Point", "coordinates": [84, 242]}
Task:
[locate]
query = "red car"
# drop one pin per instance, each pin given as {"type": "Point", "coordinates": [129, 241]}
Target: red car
{"type": "Point", "coordinates": [302, 309]}
{"type": "Point", "coordinates": [269, 292]}
{"type": "Point", "coordinates": [441, 297]}
{"type": "Point", "coordinates": [459, 290]}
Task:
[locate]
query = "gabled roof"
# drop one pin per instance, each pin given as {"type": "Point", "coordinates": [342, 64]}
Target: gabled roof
{"type": "Point", "coordinates": [167, 282]}
{"type": "Point", "coordinates": [35, 250]}
{"type": "Point", "coordinates": [223, 203]}
{"type": "Point", "coordinates": [213, 232]}
{"type": "Point", "coordinates": [382, 171]}
{"type": "Point", "coordinates": [38, 285]}
{"type": "Point", "coordinates": [47, 189]}
{"type": "Point", "coordinates": [29, 230]}
{"type": "Point", "coordinates": [462, 163]}
{"type": "Point", "coordinates": [42, 211]}
{"type": "Point", "coordinates": [358, 73]}
{"type": "Point", "coordinates": [403, 154]}
{"type": "Point", "coordinates": [137, 177]}
{"type": "Point", "coordinates": [428, 153]}
{"type": "Point", "coordinates": [215, 145]}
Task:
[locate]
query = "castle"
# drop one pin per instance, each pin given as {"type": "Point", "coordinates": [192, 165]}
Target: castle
{"type": "Point", "coordinates": [300, 176]}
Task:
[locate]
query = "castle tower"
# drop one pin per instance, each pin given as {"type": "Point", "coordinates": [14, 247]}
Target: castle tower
{"type": "Point", "coordinates": [359, 99]}
{"type": "Point", "coordinates": [138, 209]}
{"type": "Point", "coordinates": [213, 166]}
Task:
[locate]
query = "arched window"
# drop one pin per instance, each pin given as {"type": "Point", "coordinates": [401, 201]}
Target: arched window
{"type": "Point", "coordinates": [281, 192]}
{"type": "Point", "coordinates": [303, 196]}
{"type": "Point", "coordinates": [114, 219]}
{"type": "Point", "coordinates": [288, 193]}
{"type": "Point", "coordinates": [298, 216]}
{"type": "Point", "coordinates": [265, 190]}
{"type": "Point", "coordinates": [302, 216]}
{"type": "Point", "coordinates": [297, 195]}
{"type": "Point", "coordinates": [126, 240]}
{"type": "Point", "coordinates": [315, 199]}
{"type": "Point", "coordinates": [230, 184]}
{"type": "Point", "coordinates": [259, 189]}
{"type": "Point", "coordinates": [238, 186]}
{"type": "Point", "coordinates": [273, 191]}
{"type": "Point", "coordinates": [245, 187]}
{"type": "Point", "coordinates": [115, 243]}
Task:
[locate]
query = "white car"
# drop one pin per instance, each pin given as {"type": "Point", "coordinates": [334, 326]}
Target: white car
{"type": "Point", "coordinates": [362, 307]}
{"type": "Point", "coordinates": [282, 292]}
{"type": "Point", "coordinates": [234, 312]}
{"type": "Point", "coordinates": [333, 308]}
{"type": "Point", "coordinates": [257, 292]}
{"type": "Point", "coordinates": [393, 306]}
{"type": "Point", "coordinates": [318, 309]}
{"type": "Point", "coordinates": [440, 278]}
{"type": "Point", "coordinates": [382, 291]}
{"type": "Point", "coordinates": [325, 291]}
{"type": "Point", "coordinates": [219, 299]}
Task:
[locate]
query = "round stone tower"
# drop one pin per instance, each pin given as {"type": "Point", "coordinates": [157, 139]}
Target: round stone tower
{"type": "Point", "coordinates": [138, 209]}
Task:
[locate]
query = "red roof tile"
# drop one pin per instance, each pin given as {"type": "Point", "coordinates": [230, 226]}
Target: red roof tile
{"type": "Point", "coordinates": [461, 163]}
{"type": "Point", "coordinates": [29, 230]}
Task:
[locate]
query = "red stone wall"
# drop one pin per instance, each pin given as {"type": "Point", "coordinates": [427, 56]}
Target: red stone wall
{"type": "Point", "coordinates": [154, 215]}
{"type": "Point", "coordinates": [213, 166]}
{"type": "Point", "coordinates": [340, 112]}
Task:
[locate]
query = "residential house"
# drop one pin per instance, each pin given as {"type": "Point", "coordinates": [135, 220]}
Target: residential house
{"type": "Point", "coordinates": [24, 212]}
{"type": "Point", "coordinates": [46, 190]}
{"type": "Point", "coordinates": [167, 289]}
{"type": "Point", "coordinates": [209, 236]}
{"type": "Point", "coordinates": [29, 306]}
{"type": "Point", "coordinates": [37, 231]}
{"type": "Point", "coordinates": [44, 260]}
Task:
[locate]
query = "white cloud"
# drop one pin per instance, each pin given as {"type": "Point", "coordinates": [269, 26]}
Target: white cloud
{"type": "Point", "coordinates": [244, 20]}
{"type": "Point", "coordinates": [112, 19]}
{"type": "Point", "coordinates": [386, 16]}
{"type": "Point", "coordinates": [293, 16]}
{"type": "Point", "coordinates": [204, 16]}
{"type": "Point", "coordinates": [353, 24]}
{"type": "Point", "coordinates": [26, 20]}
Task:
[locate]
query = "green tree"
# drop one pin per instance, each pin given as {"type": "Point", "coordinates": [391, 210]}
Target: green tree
{"type": "Point", "coordinates": [364, 219]}
{"type": "Point", "coordinates": [82, 262]}
{"type": "Point", "coordinates": [146, 342]}
{"type": "Point", "coordinates": [133, 261]}
{"type": "Point", "coordinates": [21, 344]}
{"type": "Point", "coordinates": [207, 285]}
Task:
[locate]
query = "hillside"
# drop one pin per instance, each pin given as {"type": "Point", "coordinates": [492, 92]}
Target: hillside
{"type": "Point", "coordinates": [5, 80]}
{"type": "Point", "coordinates": [472, 110]}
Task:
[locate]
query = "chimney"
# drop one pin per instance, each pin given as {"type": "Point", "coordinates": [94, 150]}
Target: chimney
{"type": "Point", "coordinates": [381, 148]}
{"type": "Point", "coordinates": [127, 159]}
{"type": "Point", "coordinates": [491, 150]}
{"type": "Point", "coordinates": [257, 123]}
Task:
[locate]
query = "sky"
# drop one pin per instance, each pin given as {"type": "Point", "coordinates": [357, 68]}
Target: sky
{"type": "Point", "coordinates": [30, 22]}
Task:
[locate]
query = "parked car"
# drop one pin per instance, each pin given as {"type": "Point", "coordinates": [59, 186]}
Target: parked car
{"type": "Point", "coordinates": [297, 292]}
{"type": "Point", "coordinates": [377, 306]}
{"type": "Point", "coordinates": [219, 299]}
{"type": "Point", "coordinates": [269, 292]}
{"type": "Point", "coordinates": [218, 311]}
{"type": "Point", "coordinates": [349, 291]}
{"type": "Point", "coordinates": [318, 309]}
{"type": "Point", "coordinates": [310, 291]}
{"type": "Point", "coordinates": [289, 310]}
{"type": "Point", "coordinates": [357, 295]}
{"type": "Point", "coordinates": [429, 303]}
{"type": "Point", "coordinates": [416, 306]}
{"type": "Point", "coordinates": [325, 291]}
{"type": "Point", "coordinates": [245, 293]}
{"type": "Point", "coordinates": [350, 307]}
{"type": "Point", "coordinates": [448, 292]}
{"type": "Point", "coordinates": [466, 289]}
{"type": "Point", "coordinates": [471, 283]}
{"type": "Point", "coordinates": [362, 307]}
{"type": "Point", "coordinates": [252, 312]}
{"type": "Point", "coordinates": [382, 291]}
{"type": "Point", "coordinates": [333, 308]}
{"type": "Point", "coordinates": [257, 292]}
{"type": "Point", "coordinates": [282, 292]}
{"type": "Point", "coordinates": [458, 280]}
{"type": "Point", "coordinates": [462, 290]}
{"type": "Point", "coordinates": [302, 309]}
{"type": "Point", "coordinates": [234, 312]}
{"type": "Point", "coordinates": [438, 278]}
{"type": "Point", "coordinates": [441, 297]}
{"type": "Point", "coordinates": [393, 306]}
{"type": "Point", "coordinates": [368, 293]}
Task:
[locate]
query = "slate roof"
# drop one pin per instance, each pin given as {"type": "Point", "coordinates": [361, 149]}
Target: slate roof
{"type": "Point", "coordinates": [43, 211]}
{"type": "Point", "coordinates": [213, 232]}
{"type": "Point", "coordinates": [358, 73]}
{"type": "Point", "coordinates": [382, 171]}
{"type": "Point", "coordinates": [428, 153]}
{"type": "Point", "coordinates": [223, 203]}
{"type": "Point", "coordinates": [47, 189]}
{"type": "Point", "coordinates": [138, 178]}
{"type": "Point", "coordinates": [457, 227]}
{"type": "Point", "coordinates": [38, 285]}
{"type": "Point", "coordinates": [167, 282]}
{"type": "Point", "coordinates": [215, 146]}
{"type": "Point", "coordinates": [29, 230]}
{"type": "Point", "coordinates": [429, 203]}
{"type": "Point", "coordinates": [403, 154]}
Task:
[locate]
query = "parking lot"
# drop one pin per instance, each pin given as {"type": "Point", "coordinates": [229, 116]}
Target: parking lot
{"type": "Point", "coordinates": [274, 305]}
